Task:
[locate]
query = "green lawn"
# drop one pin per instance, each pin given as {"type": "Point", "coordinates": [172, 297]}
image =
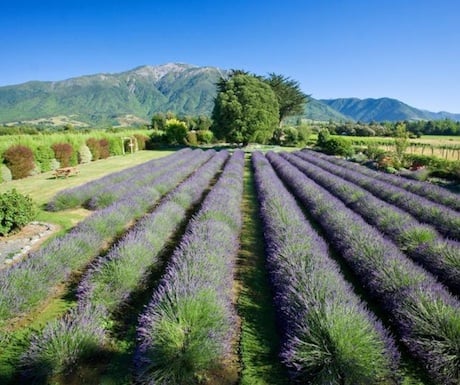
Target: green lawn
{"type": "Point", "coordinates": [439, 138]}
{"type": "Point", "coordinates": [41, 188]}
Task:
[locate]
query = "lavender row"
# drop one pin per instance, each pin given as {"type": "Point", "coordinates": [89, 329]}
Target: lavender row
{"type": "Point", "coordinates": [189, 324]}
{"type": "Point", "coordinates": [108, 194]}
{"type": "Point", "coordinates": [420, 242]}
{"type": "Point", "coordinates": [110, 280]}
{"type": "Point", "coordinates": [430, 191]}
{"type": "Point", "coordinates": [314, 302]}
{"type": "Point", "coordinates": [81, 195]}
{"type": "Point", "coordinates": [26, 284]}
{"type": "Point", "coordinates": [444, 219]}
{"type": "Point", "coordinates": [425, 315]}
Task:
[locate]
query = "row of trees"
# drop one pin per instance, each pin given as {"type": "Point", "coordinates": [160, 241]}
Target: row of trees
{"type": "Point", "coordinates": [175, 130]}
{"type": "Point", "coordinates": [415, 128]}
{"type": "Point", "coordinates": [434, 127]}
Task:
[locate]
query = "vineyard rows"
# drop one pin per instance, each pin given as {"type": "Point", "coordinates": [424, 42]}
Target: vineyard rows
{"type": "Point", "coordinates": [363, 269]}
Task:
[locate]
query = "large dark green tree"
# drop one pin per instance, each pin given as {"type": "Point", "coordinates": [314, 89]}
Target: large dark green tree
{"type": "Point", "coordinates": [291, 99]}
{"type": "Point", "coordinates": [245, 109]}
{"type": "Point", "coordinates": [159, 121]}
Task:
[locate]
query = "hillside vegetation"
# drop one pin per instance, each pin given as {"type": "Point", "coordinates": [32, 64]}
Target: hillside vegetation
{"type": "Point", "coordinates": [135, 95]}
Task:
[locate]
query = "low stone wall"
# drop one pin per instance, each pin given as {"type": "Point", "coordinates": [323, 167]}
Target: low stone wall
{"type": "Point", "coordinates": [16, 247]}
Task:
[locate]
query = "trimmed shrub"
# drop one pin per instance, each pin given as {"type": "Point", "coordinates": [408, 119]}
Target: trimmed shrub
{"type": "Point", "coordinates": [338, 146]}
{"type": "Point", "coordinates": [43, 156]}
{"type": "Point", "coordinates": [176, 131]}
{"type": "Point", "coordinates": [20, 161]}
{"type": "Point", "coordinates": [5, 174]}
{"type": "Point", "coordinates": [63, 153]}
{"type": "Point", "coordinates": [100, 148]}
{"type": "Point", "coordinates": [204, 136]}
{"type": "Point", "coordinates": [115, 145]}
{"type": "Point", "coordinates": [94, 147]}
{"type": "Point", "coordinates": [16, 210]}
{"type": "Point", "coordinates": [104, 148]}
{"type": "Point", "coordinates": [84, 154]}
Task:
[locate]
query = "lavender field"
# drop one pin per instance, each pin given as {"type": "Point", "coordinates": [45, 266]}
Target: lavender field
{"type": "Point", "coordinates": [217, 267]}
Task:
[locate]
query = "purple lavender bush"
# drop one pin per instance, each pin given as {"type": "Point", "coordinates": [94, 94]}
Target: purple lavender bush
{"type": "Point", "coordinates": [315, 305]}
{"type": "Point", "coordinates": [63, 342]}
{"type": "Point", "coordinates": [430, 191]}
{"type": "Point", "coordinates": [189, 324]}
{"type": "Point", "coordinates": [29, 282]}
{"type": "Point", "coordinates": [80, 195]}
{"type": "Point", "coordinates": [425, 315]}
{"type": "Point", "coordinates": [111, 279]}
{"type": "Point", "coordinates": [444, 219]}
{"type": "Point", "coordinates": [421, 242]}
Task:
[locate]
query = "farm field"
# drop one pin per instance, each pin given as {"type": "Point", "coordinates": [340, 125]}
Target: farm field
{"type": "Point", "coordinates": [446, 147]}
{"type": "Point", "coordinates": [437, 139]}
{"type": "Point", "coordinates": [217, 267]}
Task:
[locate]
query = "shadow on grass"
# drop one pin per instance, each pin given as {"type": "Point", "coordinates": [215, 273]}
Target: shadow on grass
{"type": "Point", "coordinates": [105, 367]}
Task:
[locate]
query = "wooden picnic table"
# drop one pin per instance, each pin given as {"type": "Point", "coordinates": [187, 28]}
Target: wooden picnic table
{"type": "Point", "coordinates": [65, 172]}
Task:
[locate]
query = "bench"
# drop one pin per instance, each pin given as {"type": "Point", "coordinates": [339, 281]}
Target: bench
{"type": "Point", "coordinates": [65, 172]}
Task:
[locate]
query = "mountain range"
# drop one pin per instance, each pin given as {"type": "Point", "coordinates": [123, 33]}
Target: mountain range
{"type": "Point", "coordinates": [134, 96]}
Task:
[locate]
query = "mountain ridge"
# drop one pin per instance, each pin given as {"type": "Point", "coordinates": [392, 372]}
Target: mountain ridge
{"type": "Point", "coordinates": [135, 95]}
{"type": "Point", "coordinates": [383, 109]}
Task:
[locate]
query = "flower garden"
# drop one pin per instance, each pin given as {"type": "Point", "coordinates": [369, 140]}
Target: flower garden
{"type": "Point", "coordinates": [362, 270]}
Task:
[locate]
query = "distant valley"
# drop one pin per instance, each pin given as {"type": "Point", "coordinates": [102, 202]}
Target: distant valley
{"type": "Point", "coordinates": [132, 97]}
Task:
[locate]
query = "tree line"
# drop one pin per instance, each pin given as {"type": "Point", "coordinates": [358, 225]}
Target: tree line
{"type": "Point", "coordinates": [252, 108]}
{"type": "Point", "coordinates": [415, 128]}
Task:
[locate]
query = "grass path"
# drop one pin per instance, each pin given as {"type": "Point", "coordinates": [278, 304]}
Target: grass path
{"type": "Point", "coordinates": [259, 342]}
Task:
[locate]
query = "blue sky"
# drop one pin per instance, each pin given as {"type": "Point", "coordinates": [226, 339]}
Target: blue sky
{"type": "Point", "coordinates": [404, 49]}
